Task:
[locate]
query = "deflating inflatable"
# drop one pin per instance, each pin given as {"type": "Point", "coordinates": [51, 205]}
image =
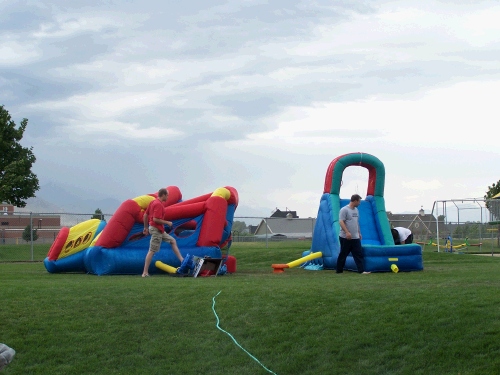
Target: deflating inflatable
{"type": "Point", "coordinates": [201, 226]}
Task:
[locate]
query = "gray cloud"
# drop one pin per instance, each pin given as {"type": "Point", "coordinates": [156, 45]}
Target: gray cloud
{"type": "Point", "coordinates": [249, 107]}
{"type": "Point", "coordinates": [489, 55]}
{"type": "Point", "coordinates": [255, 105]}
{"type": "Point", "coordinates": [343, 133]}
{"type": "Point", "coordinates": [26, 86]}
{"type": "Point", "coordinates": [215, 74]}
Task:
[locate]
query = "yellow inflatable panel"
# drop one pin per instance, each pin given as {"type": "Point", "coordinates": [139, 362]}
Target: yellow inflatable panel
{"type": "Point", "coordinates": [222, 192]}
{"type": "Point", "coordinates": [143, 201]}
{"type": "Point", "coordinates": [79, 238]}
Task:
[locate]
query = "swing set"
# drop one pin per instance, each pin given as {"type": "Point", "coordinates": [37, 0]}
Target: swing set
{"type": "Point", "coordinates": [449, 247]}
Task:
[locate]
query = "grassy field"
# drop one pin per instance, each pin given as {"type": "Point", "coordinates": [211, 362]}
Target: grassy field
{"type": "Point", "coordinates": [23, 252]}
{"type": "Point", "coordinates": [443, 320]}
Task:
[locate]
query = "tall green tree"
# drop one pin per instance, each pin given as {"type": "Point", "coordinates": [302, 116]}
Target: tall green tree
{"type": "Point", "coordinates": [239, 226]}
{"type": "Point", "coordinates": [493, 190]}
{"type": "Point", "coordinates": [493, 205]}
{"type": "Point", "coordinates": [17, 181]}
{"type": "Point", "coordinates": [27, 234]}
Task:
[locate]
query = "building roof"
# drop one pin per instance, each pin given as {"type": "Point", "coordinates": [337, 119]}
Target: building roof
{"type": "Point", "coordinates": [252, 229]}
{"type": "Point", "coordinates": [279, 213]}
{"type": "Point", "coordinates": [423, 224]}
{"type": "Point", "coordinates": [295, 228]}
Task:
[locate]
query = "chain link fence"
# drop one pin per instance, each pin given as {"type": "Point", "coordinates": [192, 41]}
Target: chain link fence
{"type": "Point", "coordinates": [15, 227]}
{"type": "Point", "coordinates": [470, 225]}
{"type": "Point", "coordinates": [273, 229]}
{"type": "Point", "coordinates": [18, 243]}
{"type": "Point", "coordinates": [27, 236]}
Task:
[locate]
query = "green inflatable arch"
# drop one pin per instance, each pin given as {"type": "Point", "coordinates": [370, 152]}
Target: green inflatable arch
{"type": "Point", "coordinates": [376, 183]}
{"type": "Point", "coordinates": [376, 173]}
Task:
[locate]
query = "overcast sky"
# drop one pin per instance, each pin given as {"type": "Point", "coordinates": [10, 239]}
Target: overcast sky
{"type": "Point", "coordinates": [125, 97]}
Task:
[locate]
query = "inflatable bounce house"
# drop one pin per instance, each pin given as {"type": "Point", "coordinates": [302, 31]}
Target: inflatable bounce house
{"type": "Point", "coordinates": [380, 252]}
{"type": "Point", "coordinates": [201, 227]}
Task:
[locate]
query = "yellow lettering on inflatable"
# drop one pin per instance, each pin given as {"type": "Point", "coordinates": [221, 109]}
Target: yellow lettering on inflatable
{"type": "Point", "coordinates": [78, 241]}
{"type": "Point", "coordinates": [68, 246]}
{"type": "Point", "coordinates": [87, 237]}
{"type": "Point", "coordinates": [79, 236]}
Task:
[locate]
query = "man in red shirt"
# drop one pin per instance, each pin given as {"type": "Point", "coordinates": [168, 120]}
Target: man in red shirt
{"type": "Point", "coordinates": [154, 218]}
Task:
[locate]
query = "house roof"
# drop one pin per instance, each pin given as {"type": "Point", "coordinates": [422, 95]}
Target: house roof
{"type": "Point", "coordinates": [252, 228]}
{"type": "Point", "coordinates": [279, 213]}
{"type": "Point", "coordinates": [416, 223]}
{"type": "Point", "coordinates": [296, 227]}
{"type": "Point", "coordinates": [286, 227]}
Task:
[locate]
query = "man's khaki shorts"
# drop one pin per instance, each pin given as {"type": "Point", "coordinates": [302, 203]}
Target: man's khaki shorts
{"type": "Point", "coordinates": [157, 237]}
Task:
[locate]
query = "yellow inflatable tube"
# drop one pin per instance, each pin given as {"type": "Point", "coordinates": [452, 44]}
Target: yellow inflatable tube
{"type": "Point", "coordinates": [279, 268]}
{"type": "Point", "coordinates": [165, 267]}
{"type": "Point", "coordinates": [144, 200]}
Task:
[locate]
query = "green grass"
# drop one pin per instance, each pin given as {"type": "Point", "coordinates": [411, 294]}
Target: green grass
{"type": "Point", "coordinates": [443, 320]}
{"type": "Point", "coordinates": [23, 252]}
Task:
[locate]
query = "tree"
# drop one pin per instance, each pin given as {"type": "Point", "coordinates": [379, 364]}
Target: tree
{"type": "Point", "coordinates": [493, 190]}
{"type": "Point", "coordinates": [239, 226]}
{"type": "Point", "coordinates": [17, 181]}
{"type": "Point", "coordinates": [460, 230]}
{"type": "Point", "coordinates": [27, 234]}
{"type": "Point", "coordinates": [493, 205]}
{"type": "Point", "coordinates": [98, 215]}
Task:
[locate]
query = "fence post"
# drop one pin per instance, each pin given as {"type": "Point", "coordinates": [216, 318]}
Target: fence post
{"type": "Point", "coordinates": [312, 228]}
{"type": "Point", "coordinates": [437, 225]}
{"type": "Point", "coordinates": [31, 234]}
{"type": "Point", "coordinates": [265, 221]}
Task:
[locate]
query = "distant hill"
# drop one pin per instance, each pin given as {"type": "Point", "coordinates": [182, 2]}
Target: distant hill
{"type": "Point", "coordinates": [39, 205]}
{"type": "Point", "coordinates": [52, 198]}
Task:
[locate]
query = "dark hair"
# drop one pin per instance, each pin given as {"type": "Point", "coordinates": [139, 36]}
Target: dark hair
{"type": "Point", "coordinates": [395, 236]}
{"type": "Point", "coordinates": [162, 192]}
{"type": "Point", "coordinates": [355, 198]}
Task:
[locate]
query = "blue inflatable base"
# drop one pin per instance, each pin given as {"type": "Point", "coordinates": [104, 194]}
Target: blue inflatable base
{"type": "Point", "coordinates": [379, 258]}
{"type": "Point", "coordinates": [101, 261]}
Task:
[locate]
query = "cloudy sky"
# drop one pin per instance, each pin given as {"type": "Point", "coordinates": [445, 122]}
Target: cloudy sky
{"type": "Point", "coordinates": [125, 97]}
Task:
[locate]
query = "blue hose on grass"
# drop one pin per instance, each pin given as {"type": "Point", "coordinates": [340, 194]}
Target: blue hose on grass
{"type": "Point", "coordinates": [236, 342]}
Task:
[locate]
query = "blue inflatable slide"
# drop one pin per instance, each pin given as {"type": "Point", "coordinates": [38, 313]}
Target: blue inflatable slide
{"type": "Point", "coordinates": [379, 250]}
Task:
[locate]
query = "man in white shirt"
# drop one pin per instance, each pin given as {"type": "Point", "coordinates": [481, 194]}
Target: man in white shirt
{"type": "Point", "coordinates": [402, 235]}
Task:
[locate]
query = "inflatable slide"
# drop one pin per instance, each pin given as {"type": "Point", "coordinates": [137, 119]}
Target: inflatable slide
{"type": "Point", "coordinates": [379, 249]}
{"type": "Point", "coordinates": [201, 227]}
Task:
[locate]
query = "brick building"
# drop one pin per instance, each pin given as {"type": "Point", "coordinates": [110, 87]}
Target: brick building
{"type": "Point", "coordinates": [12, 224]}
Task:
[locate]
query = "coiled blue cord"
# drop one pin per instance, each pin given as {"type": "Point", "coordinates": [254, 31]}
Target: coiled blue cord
{"type": "Point", "coordinates": [236, 342]}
